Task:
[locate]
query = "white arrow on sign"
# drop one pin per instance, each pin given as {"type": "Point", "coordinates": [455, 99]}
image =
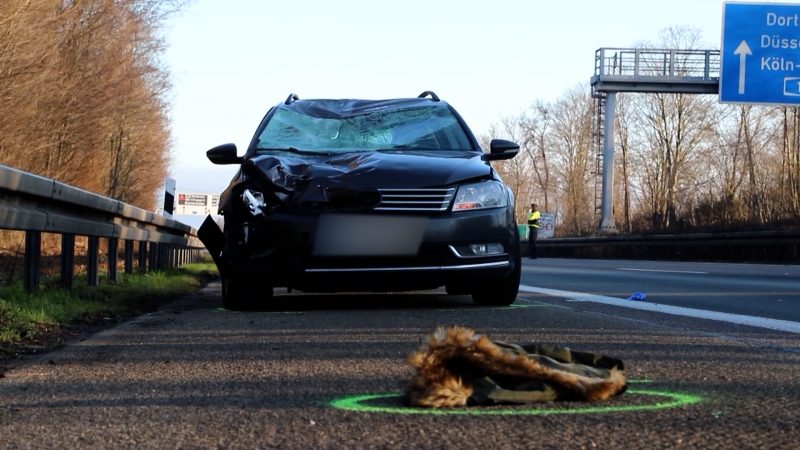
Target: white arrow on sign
{"type": "Point", "coordinates": [743, 50]}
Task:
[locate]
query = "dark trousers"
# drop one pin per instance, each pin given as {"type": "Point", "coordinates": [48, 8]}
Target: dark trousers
{"type": "Point", "coordinates": [533, 232]}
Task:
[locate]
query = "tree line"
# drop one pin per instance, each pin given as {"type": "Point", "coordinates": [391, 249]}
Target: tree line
{"type": "Point", "coordinates": [83, 99]}
{"type": "Point", "coordinates": [683, 162]}
{"type": "Point", "coordinates": [83, 95]}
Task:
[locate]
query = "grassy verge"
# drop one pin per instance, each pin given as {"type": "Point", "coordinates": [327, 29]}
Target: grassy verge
{"type": "Point", "coordinates": [42, 319]}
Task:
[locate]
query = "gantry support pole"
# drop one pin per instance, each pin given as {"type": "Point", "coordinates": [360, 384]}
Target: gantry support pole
{"type": "Point", "coordinates": [607, 223]}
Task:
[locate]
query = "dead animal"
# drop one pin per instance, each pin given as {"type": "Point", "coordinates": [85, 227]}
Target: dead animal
{"type": "Point", "coordinates": [459, 367]}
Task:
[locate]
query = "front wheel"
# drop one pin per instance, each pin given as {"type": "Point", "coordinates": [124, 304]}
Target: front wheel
{"type": "Point", "coordinates": [500, 291]}
{"type": "Point", "coordinates": [237, 297]}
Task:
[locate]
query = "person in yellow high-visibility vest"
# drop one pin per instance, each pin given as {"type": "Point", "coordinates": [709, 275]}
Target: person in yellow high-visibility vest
{"type": "Point", "coordinates": [533, 230]}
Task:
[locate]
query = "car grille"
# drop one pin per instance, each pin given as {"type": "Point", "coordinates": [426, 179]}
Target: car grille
{"type": "Point", "coordinates": [415, 199]}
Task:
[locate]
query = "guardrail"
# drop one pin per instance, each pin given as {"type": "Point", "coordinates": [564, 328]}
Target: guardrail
{"type": "Point", "coordinates": [37, 205]}
{"type": "Point", "coordinates": [752, 246]}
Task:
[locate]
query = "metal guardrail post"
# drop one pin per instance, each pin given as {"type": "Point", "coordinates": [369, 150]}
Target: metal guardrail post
{"type": "Point", "coordinates": [128, 256]}
{"type": "Point", "coordinates": [32, 259]}
{"type": "Point", "coordinates": [92, 260]}
{"type": "Point", "coordinates": [152, 254]}
{"type": "Point", "coordinates": [67, 260]}
{"type": "Point", "coordinates": [169, 252]}
{"type": "Point", "coordinates": [113, 244]}
{"type": "Point", "coordinates": [142, 256]}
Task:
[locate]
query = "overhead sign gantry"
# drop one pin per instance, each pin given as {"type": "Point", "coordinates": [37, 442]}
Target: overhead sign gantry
{"type": "Point", "coordinates": [759, 63]}
{"type": "Point", "coordinates": [645, 70]}
{"type": "Point", "coordinates": [760, 55]}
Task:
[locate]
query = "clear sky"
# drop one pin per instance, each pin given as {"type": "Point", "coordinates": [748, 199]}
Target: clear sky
{"type": "Point", "coordinates": [232, 59]}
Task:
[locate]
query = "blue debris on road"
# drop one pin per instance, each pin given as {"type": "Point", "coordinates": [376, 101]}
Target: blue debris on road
{"type": "Point", "coordinates": [638, 296]}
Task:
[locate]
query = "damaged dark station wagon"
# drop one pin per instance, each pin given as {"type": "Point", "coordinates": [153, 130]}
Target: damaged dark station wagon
{"type": "Point", "coordinates": [365, 195]}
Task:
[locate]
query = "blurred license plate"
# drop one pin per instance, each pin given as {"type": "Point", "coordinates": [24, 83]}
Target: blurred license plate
{"type": "Point", "coordinates": [360, 235]}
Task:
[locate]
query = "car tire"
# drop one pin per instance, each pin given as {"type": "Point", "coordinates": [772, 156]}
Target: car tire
{"type": "Point", "coordinates": [233, 295]}
{"type": "Point", "coordinates": [500, 291]}
{"type": "Point", "coordinates": [236, 296]}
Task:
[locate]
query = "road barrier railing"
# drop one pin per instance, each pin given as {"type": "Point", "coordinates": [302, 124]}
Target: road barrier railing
{"type": "Point", "coordinates": [37, 205]}
{"type": "Point", "coordinates": [780, 246]}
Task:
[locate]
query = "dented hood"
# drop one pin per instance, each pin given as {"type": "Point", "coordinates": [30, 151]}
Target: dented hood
{"type": "Point", "coordinates": [370, 170]}
{"type": "Point", "coordinates": [303, 180]}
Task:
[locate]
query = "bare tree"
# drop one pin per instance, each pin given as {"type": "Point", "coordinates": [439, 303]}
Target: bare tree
{"type": "Point", "coordinates": [675, 130]}
{"type": "Point", "coordinates": [515, 172]}
{"type": "Point", "coordinates": [536, 126]}
{"type": "Point", "coordinates": [789, 183]}
{"type": "Point", "coordinates": [84, 93]}
{"type": "Point", "coordinates": [573, 156]}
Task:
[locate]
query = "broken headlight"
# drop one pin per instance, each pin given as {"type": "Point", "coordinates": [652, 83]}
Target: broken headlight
{"type": "Point", "coordinates": [253, 201]}
{"type": "Point", "coordinates": [483, 195]}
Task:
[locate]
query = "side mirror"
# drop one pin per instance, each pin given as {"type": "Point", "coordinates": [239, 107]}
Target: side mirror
{"type": "Point", "coordinates": [224, 154]}
{"type": "Point", "coordinates": [500, 149]}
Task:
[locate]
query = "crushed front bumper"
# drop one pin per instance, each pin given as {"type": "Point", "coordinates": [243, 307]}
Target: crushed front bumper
{"type": "Point", "coordinates": [372, 252]}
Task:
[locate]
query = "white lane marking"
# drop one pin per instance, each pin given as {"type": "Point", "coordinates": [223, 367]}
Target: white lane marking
{"type": "Point", "coordinates": [657, 270]}
{"type": "Point", "coordinates": [739, 319]}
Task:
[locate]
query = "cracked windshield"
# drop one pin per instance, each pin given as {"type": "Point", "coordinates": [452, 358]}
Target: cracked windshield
{"type": "Point", "coordinates": [400, 129]}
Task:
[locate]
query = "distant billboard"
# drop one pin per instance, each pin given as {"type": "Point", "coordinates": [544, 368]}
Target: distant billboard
{"type": "Point", "coordinates": [547, 225]}
{"type": "Point", "coordinates": [193, 204]}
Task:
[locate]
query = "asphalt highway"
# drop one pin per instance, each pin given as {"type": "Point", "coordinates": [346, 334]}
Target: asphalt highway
{"type": "Point", "coordinates": [763, 290]}
{"type": "Point", "coordinates": [296, 374]}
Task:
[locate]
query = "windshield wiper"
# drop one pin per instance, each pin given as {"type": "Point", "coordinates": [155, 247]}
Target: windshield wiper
{"type": "Point", "coordinates": [400, 148]}
{"type": "Point", "coordinates": [298, 151]}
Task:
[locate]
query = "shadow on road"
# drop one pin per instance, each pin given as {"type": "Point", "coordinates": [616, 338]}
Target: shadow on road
{"type": "Point", "coordinates": [299, 301]}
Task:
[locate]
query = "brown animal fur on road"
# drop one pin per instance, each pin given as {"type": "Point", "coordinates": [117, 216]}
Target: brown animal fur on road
{"type": "Point", "coordinates": [461, 367]}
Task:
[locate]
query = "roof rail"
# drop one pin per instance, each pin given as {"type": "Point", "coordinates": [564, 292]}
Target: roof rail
{"type": "Point", "coordinates": [433, 96]}
{"type": "Point", "coordinates": [290, 99]}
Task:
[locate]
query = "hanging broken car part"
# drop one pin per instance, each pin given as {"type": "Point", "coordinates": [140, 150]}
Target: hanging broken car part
{"type": "Point", "coordinates": [365, 195]}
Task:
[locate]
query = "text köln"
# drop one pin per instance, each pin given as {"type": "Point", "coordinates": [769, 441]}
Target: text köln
{"type": "Point", "coordinates": [777, 41]}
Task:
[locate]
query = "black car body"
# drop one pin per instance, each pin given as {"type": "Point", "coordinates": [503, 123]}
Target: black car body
{"type": "Point", "coordinates": [364, 195]}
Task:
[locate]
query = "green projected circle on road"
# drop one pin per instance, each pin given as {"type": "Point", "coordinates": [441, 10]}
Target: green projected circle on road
{"type": "Point", "coordinates": [667, 399]}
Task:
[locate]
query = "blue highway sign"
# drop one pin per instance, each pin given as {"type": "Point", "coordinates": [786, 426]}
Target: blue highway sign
{"type": "Point", "coordinates": [760, 55]}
